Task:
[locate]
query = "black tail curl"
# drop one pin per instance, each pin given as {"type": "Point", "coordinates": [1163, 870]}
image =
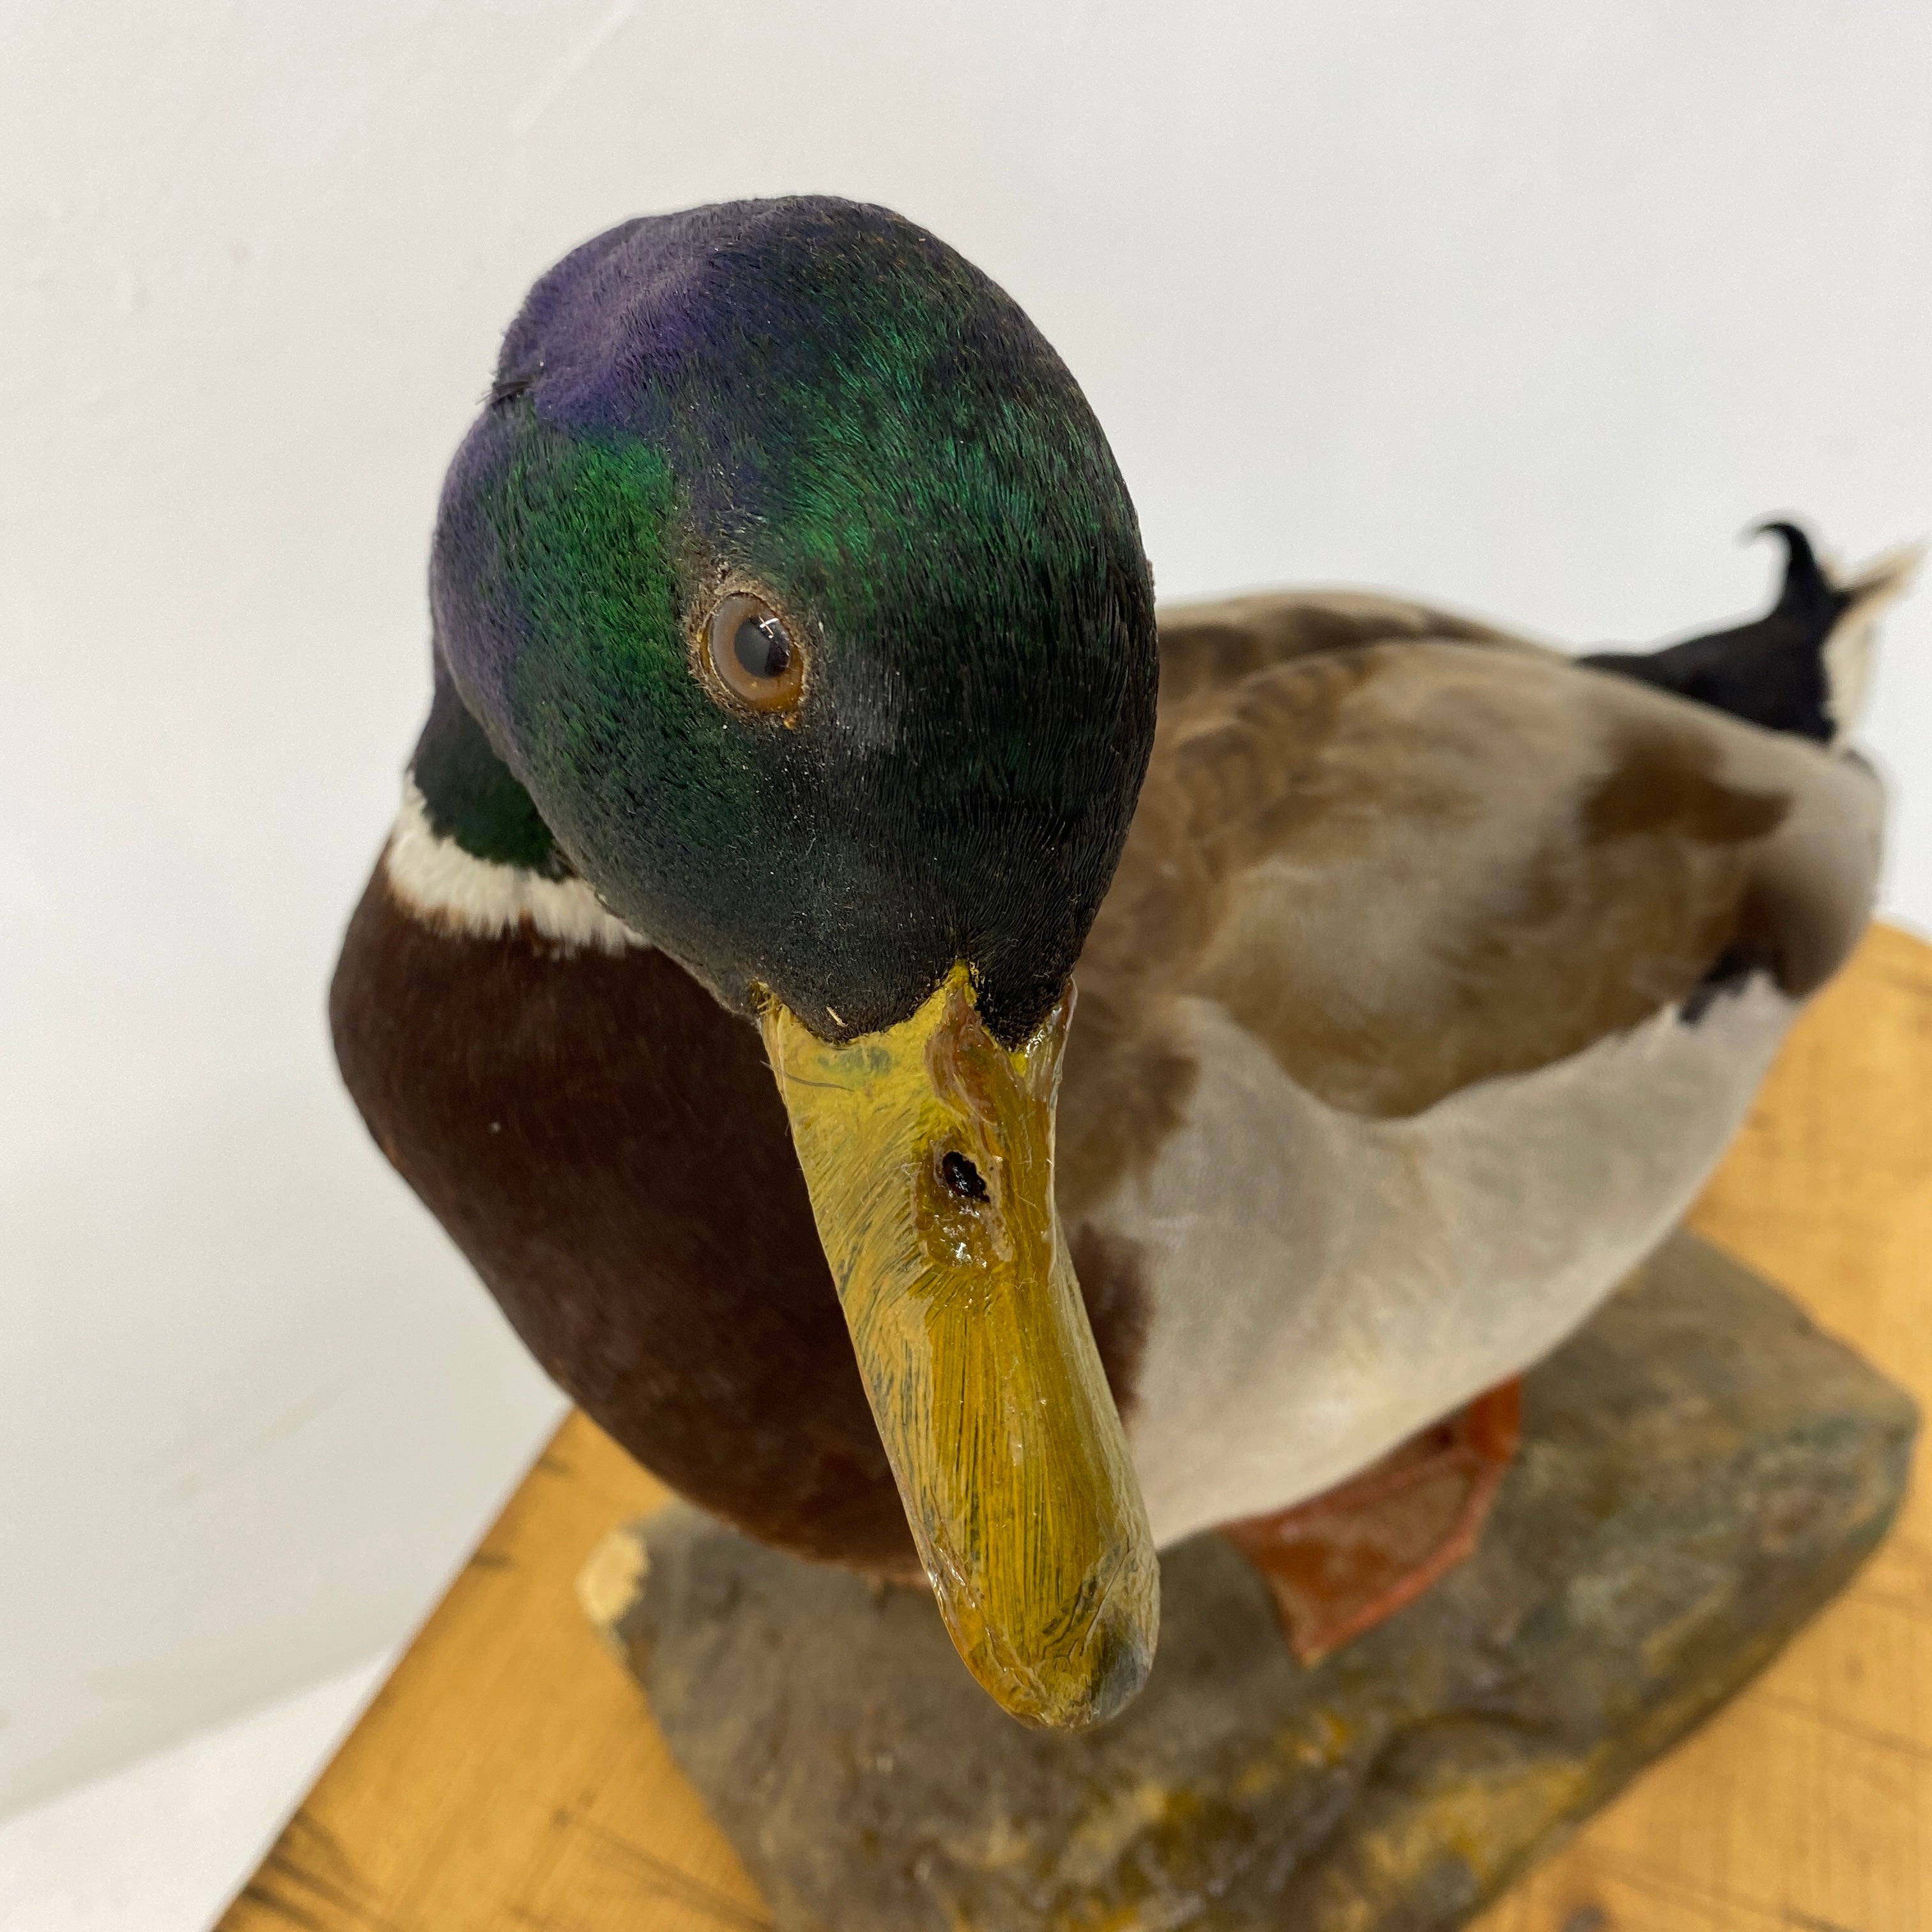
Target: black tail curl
{"type": "Point", "coordinates": [1771, 672]}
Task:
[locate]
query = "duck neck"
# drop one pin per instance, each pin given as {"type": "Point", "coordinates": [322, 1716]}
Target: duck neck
{"type": "Point", "coordinates": [470, 853]}
{"type": "Point", "coordinates": [472, 798]}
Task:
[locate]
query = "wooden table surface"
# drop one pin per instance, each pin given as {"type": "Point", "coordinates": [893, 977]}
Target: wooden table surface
{"type": "Point", "coordinates": [509, 1774]}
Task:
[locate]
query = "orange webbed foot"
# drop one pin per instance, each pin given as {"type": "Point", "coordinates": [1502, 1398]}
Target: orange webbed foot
{"type": "Point", "coordinates": [1342, 1561]}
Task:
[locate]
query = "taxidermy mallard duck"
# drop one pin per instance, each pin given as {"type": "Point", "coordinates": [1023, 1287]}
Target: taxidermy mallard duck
{"type": "Point", "coordinates": [804, 736]}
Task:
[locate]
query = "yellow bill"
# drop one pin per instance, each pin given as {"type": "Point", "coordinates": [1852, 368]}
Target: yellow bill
{"type": "Point", "coordinates": [929, 1152]}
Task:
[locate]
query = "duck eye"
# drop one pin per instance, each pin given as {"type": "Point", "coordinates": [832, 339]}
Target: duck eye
{"type": "Point", "coordinates": [754, 655]}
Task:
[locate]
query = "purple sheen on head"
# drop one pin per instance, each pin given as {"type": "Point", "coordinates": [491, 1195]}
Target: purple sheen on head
{"type": "Point", "coordinates": [478, 640]}
{"type": "Point", "coordinates": [631, 311]}
{"type": "Point", "coordinates": [625, 307]}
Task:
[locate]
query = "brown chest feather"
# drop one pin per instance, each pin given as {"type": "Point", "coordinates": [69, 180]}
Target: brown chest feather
{"type": "Point", "coordinates": [606, 1145]}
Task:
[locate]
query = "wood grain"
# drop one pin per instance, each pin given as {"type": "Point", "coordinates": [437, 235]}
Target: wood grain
{"type": "Point", "coordinates": [509, 1775]}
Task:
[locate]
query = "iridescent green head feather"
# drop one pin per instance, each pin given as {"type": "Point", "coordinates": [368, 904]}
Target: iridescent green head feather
{"type": "Point", "coordinates": [819, 403]}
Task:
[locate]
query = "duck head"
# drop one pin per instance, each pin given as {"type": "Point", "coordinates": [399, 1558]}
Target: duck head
{"type": "Point", "coordinates": [789, 572]}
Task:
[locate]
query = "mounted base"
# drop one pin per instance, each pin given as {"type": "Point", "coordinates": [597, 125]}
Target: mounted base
{"type": "Point", "coordinates": [1700, 1470]}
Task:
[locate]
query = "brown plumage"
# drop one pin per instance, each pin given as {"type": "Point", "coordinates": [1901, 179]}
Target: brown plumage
{"type": "Point", "coordinates": [1583, 860]}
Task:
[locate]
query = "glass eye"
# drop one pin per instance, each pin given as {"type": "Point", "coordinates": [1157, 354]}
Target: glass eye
{"type": "Point", "coordinates": [754, 653]}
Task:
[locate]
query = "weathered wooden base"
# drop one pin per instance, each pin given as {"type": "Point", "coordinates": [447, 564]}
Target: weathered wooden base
{"type": "Point", "coordinates": [1702, 1469]}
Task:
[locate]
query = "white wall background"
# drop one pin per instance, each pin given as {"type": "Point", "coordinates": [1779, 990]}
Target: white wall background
{"type": "Point", "coordinates": [1528, 307]}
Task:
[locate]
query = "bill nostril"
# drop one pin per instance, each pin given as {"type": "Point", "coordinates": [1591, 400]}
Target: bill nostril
{"type": "Point", "coordinates": [962, 1177]}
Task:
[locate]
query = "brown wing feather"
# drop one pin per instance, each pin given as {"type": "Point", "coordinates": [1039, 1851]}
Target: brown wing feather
{"type": "Point", "coordinates": [1213, 645]}
{"type": "Point", "coordinates": [1407, 867]}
